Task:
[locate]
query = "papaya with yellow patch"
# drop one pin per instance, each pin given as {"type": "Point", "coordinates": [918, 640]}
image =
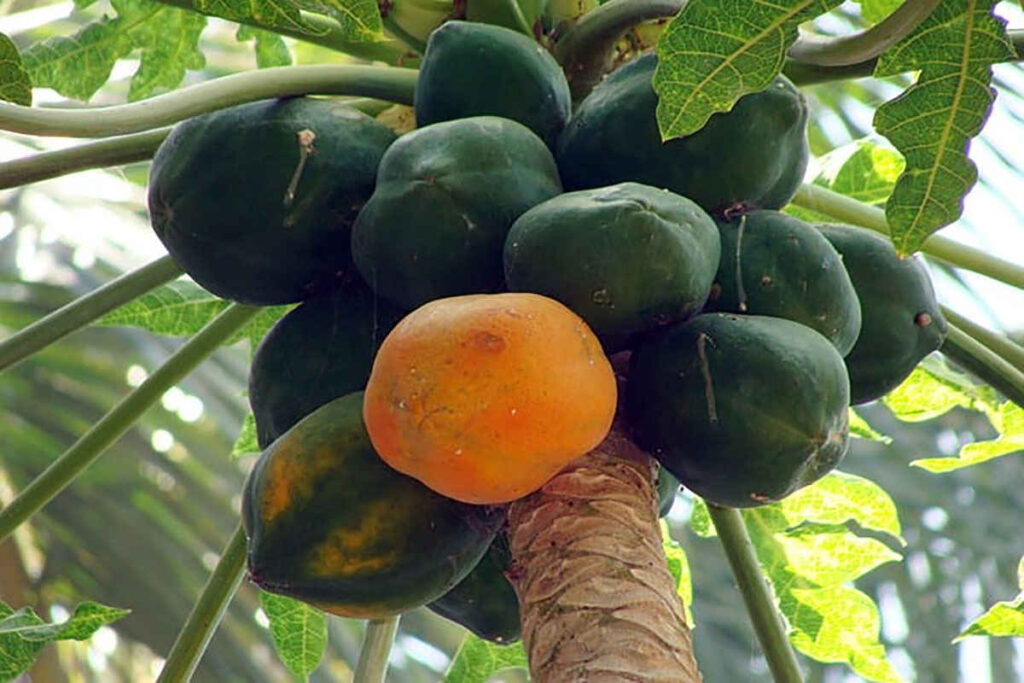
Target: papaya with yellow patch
{"type": "Point", "coordinates": [329, 523]}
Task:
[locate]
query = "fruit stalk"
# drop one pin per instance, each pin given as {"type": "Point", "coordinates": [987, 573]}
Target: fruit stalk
{"type": "Point", "coordinates": [596, 597]}
{"type": "Point", "coordinates": [373, 658]}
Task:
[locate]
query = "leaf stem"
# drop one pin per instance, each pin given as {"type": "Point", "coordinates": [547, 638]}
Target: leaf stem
{"type": "Point", "coordinates": [520, 18]}
{"type": "Point", "coordinates": [115, 423]}
{"type": "Point", "coordinates": [1008, 349]}
{"type": "Point", "coordinates": [862, 45]}
{"type": "Point", "coordinates": [386, 83]}
{"type": "Point", "coordinates": [767, 622]}
{"type": "Point", "coordinates": [373, 657]}
{"type": "Point", "coordinates": [85, 309]}
{"type": "Point", "coordinates": [849, 210]}
{"type": "Point", "coordinates": [207, 612]}
{"type": "Point", "coordinates": [411, 41]}
{"type": "Point", "coordinates": [989, 366]}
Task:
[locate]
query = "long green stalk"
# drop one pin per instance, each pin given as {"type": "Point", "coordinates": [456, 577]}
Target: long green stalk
{"type": "Point", "coordinates": [985, 363]}
{"type": "Point", "coordinates": [85, 310]}
{"type": "Point", "coordinates": [373, 657]}
{"type": "Point", "coordinates": [849, 210]}
{"type": "Point", "coordinates": [382, 82]}
{"type": "Point", "coordinates": [767, 622]}
{"type": "Point", "coordinates": [1009, 350]}
{"type": "Point", "coordinates": [207, 612]}
{"type": "Point", "coordinates": [115, 423]}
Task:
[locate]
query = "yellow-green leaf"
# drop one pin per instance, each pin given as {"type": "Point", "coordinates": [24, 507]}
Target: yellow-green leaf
{"type": "Point", "coordinates": [477, 660]}
{"type": "Point", "coordinates": [15, 85]}
{"type": "Point", "coordinates": [299, 632]}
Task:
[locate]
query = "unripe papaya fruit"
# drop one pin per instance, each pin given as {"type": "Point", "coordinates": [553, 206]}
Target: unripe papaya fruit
{"type": "Point", "coordinates": [744, 410]}
{"type": "Point", "coordinates": [484, 398]}
{"type": "Point", "coordinates": [901, 320]}
{"type": "Point", "coordinates": [329, 523]}
{"type": "Point", "coordinates": [625, 258]}
{"type": "Point", "coordinates": [256, 202]}
{"type": "Point", "coordinates": [319, 351]}
{"type": "Point", "coordinates": [473, 69]}
{"type": "Point", "coordinates": [778, 265]}
{"type": "Point", "coordinates": [753, 156]}
{"type": "Point", "coordinates": [446, 196]}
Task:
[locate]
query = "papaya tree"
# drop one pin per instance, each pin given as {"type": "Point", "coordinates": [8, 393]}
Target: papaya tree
{"type": "Point", "coordinates": [576, 254]}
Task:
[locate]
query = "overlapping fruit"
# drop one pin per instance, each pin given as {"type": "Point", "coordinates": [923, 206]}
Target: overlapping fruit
{"type": "Point", "coordinates": [461, 287]}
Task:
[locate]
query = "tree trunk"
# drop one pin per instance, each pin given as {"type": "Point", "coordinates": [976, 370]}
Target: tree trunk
{"type": "Point", "coordinates": [597, 600]}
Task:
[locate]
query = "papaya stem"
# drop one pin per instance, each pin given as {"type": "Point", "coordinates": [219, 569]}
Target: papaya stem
{"type": "Point", "coordinates": [412, 42]}
{"type": "Point", "coordinates": [849, 210]}
{"type": "Point", "coordinates": [1008, 349]}
{"type": "Point", "coordinates": [517, 14]}
{"type": "Point", "coordinates": [988, 365]}
{"type": "Point", "coordinates": [207, 612]}
{"type": "Point", "coordinates": [767, 622]}
{"type": "Point", "coordinates": [111, 426]}
{"type": "Point", "coordinates": [383, 82]}
{"type": "Point", "coordinates": [862, 45]}
{"type": "Point", "coordinates": [373, 657]}
{"type": "Point", "coordinates": [85, 309]}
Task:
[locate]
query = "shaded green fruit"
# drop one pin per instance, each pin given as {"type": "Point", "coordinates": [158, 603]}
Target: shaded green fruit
{"type": "Point", "coordinates": [667, 486]}
{"type": "Point", "coordinates": [901, 320]}
{"type": "Point", "coordinates": [485, 602]}
{"type": "Point", "coordinates": [319, 351]}
{"type": "Point", "coordinates": [626, 258]}
{"type": "Point", "coordinates": [744, 410]}
{"type": "Point", "coordinates": [446, 197]}
{"type": "Point", "coordinates": [753, 156]}
{"type": "Point", "coordinates": [256, 202]}
{"type": "Point", "coordinates": [473, 69]}
{"type": "Point", "coordinates": [784, 268]}
{"type": "Point", "coordinates": [329, 523]}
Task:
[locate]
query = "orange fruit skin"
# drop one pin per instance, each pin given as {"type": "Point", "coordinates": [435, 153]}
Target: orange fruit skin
{"type": "Point", "coordinates": [483, 398]}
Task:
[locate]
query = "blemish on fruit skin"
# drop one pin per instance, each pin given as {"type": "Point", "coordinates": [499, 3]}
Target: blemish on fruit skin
{"type": "Point", "coordinates": [705, 370]}
{"type": "Point", "coordinates": [601, 297]}
{"type": "Point", "coordinates": [923, 319]}
{"type": "Point", "coordinates": [486, 341]}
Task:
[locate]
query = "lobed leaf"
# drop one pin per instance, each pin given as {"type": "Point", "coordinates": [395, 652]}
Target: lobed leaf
{"type": "Point", "coordinates": [874, 11]}
{"type": "Point", "coordinates": [298, 630]}
{"type": "Point", "coordinates": [77, 66]}
{"type": "Point", "coordinates": [360, 19]}
{"type": "Point", "coordinates": [15, 85]}
{"type": "Point", "coordinates": [270, 47]}
{"type": "Point", "coordinates": [863, 170]}
{"type": "Point", "coordinates": [1008, 420]}
{"type": "Point", "coordinates": [860, 429]}
{"type": "Point", "coordinates": [713, 53]}
{"type": "Point", "coordinates": [247, 440]}
{"type": "Point", "coordinates": [934, 389]}
{"type": "Point", "coordinates": [933, 121]}
{"type": "Point", "coordinates": [477, 660]}
{"type": "Point", "coordinates": [283, 15]}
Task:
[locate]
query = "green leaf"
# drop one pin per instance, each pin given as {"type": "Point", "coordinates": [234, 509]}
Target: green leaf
{"type": "Point", "coordinates": [477, 660]}
{"type": "Point", "coordinates": [712, 53]}
{"type": "Point", "coordinates": [1005, 619]}
{"type": "Point", "coordinates": [863, 170]}
{"type": "Point", "coordinates": [79, 65]}
{"type": "Point", "coordinates": [273, 14]}
{"type": "Point", "coordinates": [15, 85]}
{"type": "Point", "coordinates": [839, 497]}
{"type": "Point", "coordinates": [874, 11]}
{"type": "Point", "coordinates": [679, 568]}
{"type": "Point", "coordinates": [299, 632]}
{"type": "Point", "coordinates": [1008, 420]}
{"type": "Point", "coordinates": [934, 389]}
{"type": "Point", "coordinates": [700, 519]}
{"type": "Point", "coordinates": [360, 19]}
{"type": "Point", "coordinates": [270, 47]}
{"type": "Point", "coordinates": [246, 441]}
{"type": "Point", "coordinates": [933, 121]}
{"type": "Point", "coordinates": [859, 428]}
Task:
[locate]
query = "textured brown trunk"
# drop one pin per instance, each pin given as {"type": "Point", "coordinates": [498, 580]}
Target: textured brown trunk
{"type": "Point", "coordinates": [597, 600]}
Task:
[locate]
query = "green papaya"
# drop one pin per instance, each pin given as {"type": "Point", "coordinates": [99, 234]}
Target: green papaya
{"type": "Point", "coordinates": [667, 487]}
{"type": "Point", "coordinates": [256, 202]}
{"type": "Point", "coordinates": [485, 602]}
{"type": "Point", "coordinates": [329, 523]}
{"type": "Point", "coordinates": [778, 265]}
{"type": "Point", "coordinates": [901, 320]}
{"type": "Point", "coordinates": [445, 199]}
{"type": "Point", "coordinates": [320, 350]}
{"type": "Point", "coordinates": [472, 69]}
{"type": "Point", "coordinates": [744, 410]}
{"type": "Point", "coordinates": [752, 157]}
{"type": "Point", "coordinates": [626, 258]}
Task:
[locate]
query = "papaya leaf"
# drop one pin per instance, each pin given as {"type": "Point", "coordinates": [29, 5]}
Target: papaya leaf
{"type": "Point", "coordinates": [860, 429]}
{"type": "Point", "coordinates": [270, 47]}
{"type": "Point", "coordinates": [247, 440]}
{"type": "Point", "coordinates": [712, 53]}
{"type": "Point", "coordinates": [1008, 420]}
{"type": "Point", "coordinates": [299, 632]}
{"type": "Point", "coordinates": [77, 66]}
{"type": "Point", "coordinates": [679, 568]}
{"type": "Point", "coordinates": [933, 121]}
{"type": "Point", "coordinates": [273, 14]}
{"type": "Point", "coordinates": [15, 85]}
{"type": "Point", "coordinates": [1004, 619]}
{"type": "Point", "coordinates": [934, 389]}
{"type": "Point", "coordinates": [477, 660]}
{"type": "Point", "coordinates": [839, 497]}
{"type": "Point", "coordinates": [863, 170]}
{"type": "Point", "coordinates": [700, 519]}
{"type": "Point", "coordinates": [874, 11]}
{"type": "Point", "coordinates": [360, 19]}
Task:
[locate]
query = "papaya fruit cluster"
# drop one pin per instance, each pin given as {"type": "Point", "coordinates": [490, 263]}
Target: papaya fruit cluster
{"type": "Point", "coordinates": [462, 286]}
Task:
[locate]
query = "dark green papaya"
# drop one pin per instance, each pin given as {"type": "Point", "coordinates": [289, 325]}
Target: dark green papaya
{"type": "Point", "coordinates": [667, 486]}
{"type": "Point", "coordinates": [473, 69]}
{"type": "Point", "coordinates": [744, 410]}
{"type": "Point", "coordinates": [626, 258]}
{"type": "Point", "coordinates": [901, 320]}
{"type": "Point", "coordinates": [329, 523]}
{"type": "Point", "coordinates": [256, 202]}
{"type": "Point", "coordinates": [320, 350]}
{"type": "Point", "coordinates": [445, 199]}
{"type": "Point", "coordinates": [485, 602]}
{"type": "Point", "coordinates": [752, 157]}
{"type": "Point", "coordinates": [778, 265]}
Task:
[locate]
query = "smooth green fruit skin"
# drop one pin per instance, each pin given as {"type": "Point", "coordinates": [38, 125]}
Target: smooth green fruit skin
{"type": "Point", "coordinates": [217, 196]}
{"type": "Point", "coordinates": [787, 269]}
{"type": "Point", "coordinates": [744, 410]}
{"type": "Point", "coordinates": [320, 350]}
{"type": "Point", "coordinates": [902, 322]}
{"type": "Point", "coordinates": [328, 522]}
{"type": "Point", "coordinates": [485, 601]}
{"type": "Point", "coordinates": [446, 197]}
{"type": "Point", "coordinates": [472, 69]}
{"type": "Point", "coordinates": [753, 156]}
{"type": "Point", "coordinates": [626, 258]}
